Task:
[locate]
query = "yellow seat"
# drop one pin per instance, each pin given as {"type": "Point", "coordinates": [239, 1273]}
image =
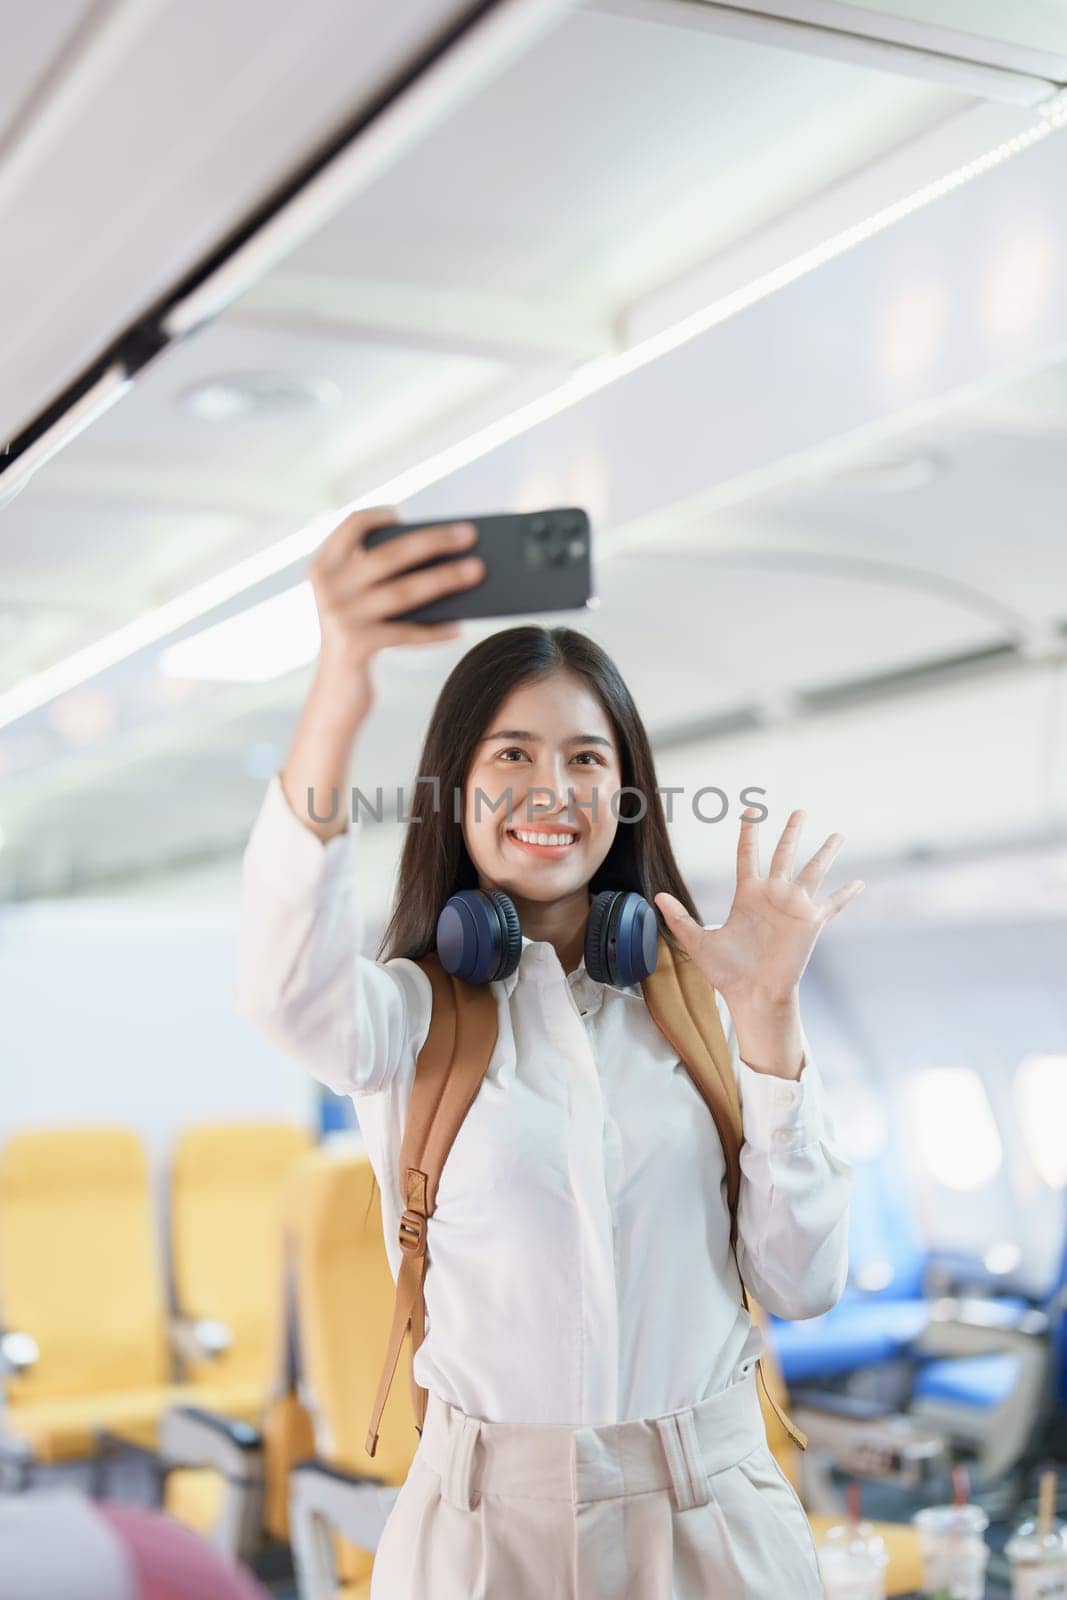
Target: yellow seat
{"type": "Point", "coordinates": [344, 1294]}
{"type": "Point", "coordinates": [904, 1572]}
{"type": "Point", "coordinates": [80, 1274]}
{"type": "Point", "coordinates": [227, 1183]}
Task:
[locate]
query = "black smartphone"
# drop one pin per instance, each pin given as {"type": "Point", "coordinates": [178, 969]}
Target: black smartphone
{"type": "Point", "coordinates": [535, 561]}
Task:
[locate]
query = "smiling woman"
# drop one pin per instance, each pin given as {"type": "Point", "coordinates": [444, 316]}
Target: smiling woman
{"type": "Point", "coordinates": [578, 1258]}
{"type": "Point", "coordinates": [537, 743]}
{"type": "Point", "coordinates": [562, 785]}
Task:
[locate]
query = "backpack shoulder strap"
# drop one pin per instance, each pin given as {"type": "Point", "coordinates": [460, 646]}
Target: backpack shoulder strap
{"type": "Point", "coordinates": [448, 1075]}
{"type": "Point", "coordinates": [682, 1004]}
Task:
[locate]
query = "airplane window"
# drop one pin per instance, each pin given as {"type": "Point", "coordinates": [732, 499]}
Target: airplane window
{"type": "Point", "coordinates": [957, 1138]}
{"type": "Point", "coordinates": [1041, 1101]}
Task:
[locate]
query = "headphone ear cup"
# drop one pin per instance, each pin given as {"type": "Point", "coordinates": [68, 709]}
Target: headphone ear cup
{"type": "Point", "coordinates": [621, 938]}
{"type": "Point", "coordinates": [478, 935]}
{"type": "Point", "coordinates": [598, 962]}
{"type": "Point", "coordinates": [510, 933]}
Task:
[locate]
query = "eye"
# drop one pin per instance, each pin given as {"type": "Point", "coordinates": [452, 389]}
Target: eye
{"type": "Point", "coordinates": [514, 750]}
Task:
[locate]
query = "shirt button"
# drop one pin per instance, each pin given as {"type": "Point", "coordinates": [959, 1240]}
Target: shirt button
{"type": "Point", "coordinates": [782, 1135]}
{"type": "Point", "coordinates": [784, 1094]}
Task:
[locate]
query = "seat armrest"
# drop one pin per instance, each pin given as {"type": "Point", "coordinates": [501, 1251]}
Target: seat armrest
{"type": "Point", "coordinates": [190, 1436]}
{"type": "Point", "coordinates": [970, 1327]}
{"type": "Point", "coordinates": [325, 1499]}
{"type": "Point", "coordinates": [198, 1339]}
{"type": "Point", "coordinates": [884, 1446]}
{"type": "Point", "coordinates": [978, 1313]}
{"type": "Point", "coordinates": [354, 1504]}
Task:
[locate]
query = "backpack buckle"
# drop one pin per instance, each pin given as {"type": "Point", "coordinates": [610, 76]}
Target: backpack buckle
{"type": "Point", "coordinates": [413, 1233]}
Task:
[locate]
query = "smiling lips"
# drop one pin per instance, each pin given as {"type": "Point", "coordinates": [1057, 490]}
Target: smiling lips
{"type": "Point", "coordinates": [543, 842]}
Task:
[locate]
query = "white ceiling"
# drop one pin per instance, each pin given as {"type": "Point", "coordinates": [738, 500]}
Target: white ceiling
{"type": "Point", "coordinates": [134, 134]}
{"type": "Point", "coordinates": [592, 175]}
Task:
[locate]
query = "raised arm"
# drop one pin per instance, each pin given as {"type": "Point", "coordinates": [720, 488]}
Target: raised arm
{"type": "Point", "coordinates": [795, 1184]}
{"type": "Point", "coordinates": [796, 1187]}
{"type": "Point", "coordinates": [302, 981]}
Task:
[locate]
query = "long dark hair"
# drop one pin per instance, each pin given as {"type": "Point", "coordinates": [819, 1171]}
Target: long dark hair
{"type": "Point", "coordinates": [435, 863]}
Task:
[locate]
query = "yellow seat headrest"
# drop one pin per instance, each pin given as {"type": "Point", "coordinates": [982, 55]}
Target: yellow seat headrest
{"type": "Point", "coordinates": [62, 1158]}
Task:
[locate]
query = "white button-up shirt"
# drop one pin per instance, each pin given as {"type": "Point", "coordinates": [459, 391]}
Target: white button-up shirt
{"type": "Point", "coordinates": [580, 1269]}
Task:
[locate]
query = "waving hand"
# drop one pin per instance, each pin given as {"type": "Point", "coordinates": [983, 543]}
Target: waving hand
{"type": "Point", "coordinates": [758, 955]}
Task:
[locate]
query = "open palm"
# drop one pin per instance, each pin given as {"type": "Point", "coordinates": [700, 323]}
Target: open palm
{"type": "Point", "coordinates": [765, 943]}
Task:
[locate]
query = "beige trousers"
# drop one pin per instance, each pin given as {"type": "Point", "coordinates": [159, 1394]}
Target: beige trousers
{"type": "Point", "coordinates": [687, 1505]}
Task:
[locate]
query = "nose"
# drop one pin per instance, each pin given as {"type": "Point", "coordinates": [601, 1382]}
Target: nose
{"type": "Point", "coordinates": [558, 810]}
{"type": "Point", "coordinates": [546, 796]}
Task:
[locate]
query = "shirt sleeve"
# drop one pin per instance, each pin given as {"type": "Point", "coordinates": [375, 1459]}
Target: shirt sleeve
{"type": "Point", "coordinates": [796, 1188]}
{"type": "Point", "coordinates": [350, 1021]}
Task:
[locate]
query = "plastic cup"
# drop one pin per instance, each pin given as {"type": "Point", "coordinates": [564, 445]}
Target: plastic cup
{"type": "Point", "coordinates": [1038, 1562]}
{"type": "Point", "coordinates": [954, 1551]}
{"type": "Point", "coordinates": [852, 1562]}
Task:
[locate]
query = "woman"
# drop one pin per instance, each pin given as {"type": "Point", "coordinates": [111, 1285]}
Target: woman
{"type": "Point", "coordinates": [593, 1427]}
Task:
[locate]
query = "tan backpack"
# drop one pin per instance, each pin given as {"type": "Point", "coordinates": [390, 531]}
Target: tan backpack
{"type": "Point", "coordinates": [448, 1074]}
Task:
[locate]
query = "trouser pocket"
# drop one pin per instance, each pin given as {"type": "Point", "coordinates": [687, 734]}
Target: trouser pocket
{"type": "Point", "coordinates": [779, 1522]}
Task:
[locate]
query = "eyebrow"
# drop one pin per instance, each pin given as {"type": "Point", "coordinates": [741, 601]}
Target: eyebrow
{"type": "Point", "coordinates": [535, 738]}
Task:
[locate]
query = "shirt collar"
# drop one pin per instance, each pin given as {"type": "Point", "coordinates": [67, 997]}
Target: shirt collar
{"type": "Point", "coordinates": [543, 951]}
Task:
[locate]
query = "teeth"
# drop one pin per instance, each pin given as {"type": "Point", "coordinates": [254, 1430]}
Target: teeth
{"type": "Point", "coordinates": [543, 838]}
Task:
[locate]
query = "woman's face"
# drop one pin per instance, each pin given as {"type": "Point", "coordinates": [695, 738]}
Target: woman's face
{"type": "Point", "coordinates": [547, 739]}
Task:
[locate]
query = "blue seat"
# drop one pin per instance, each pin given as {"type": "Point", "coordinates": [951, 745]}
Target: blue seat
{"type": "Point", "coordinates": [865, 1328]}
{"type": "Point", "coordinates": [858, 1332]}
{"type": "Point", "coordinates": [979, 1382]}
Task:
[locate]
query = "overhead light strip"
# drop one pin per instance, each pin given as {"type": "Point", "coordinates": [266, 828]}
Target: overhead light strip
{"type": "Point", "coordinates": [467, 50]}
{"type": "Point", "coordinates": [470, 60]}
{"type": "Point", "coordinates": [589, 379]}
{"type": "Point", "coordinates": [97, 398]}
{"type": "Point", "coordinates": [844, 34]}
